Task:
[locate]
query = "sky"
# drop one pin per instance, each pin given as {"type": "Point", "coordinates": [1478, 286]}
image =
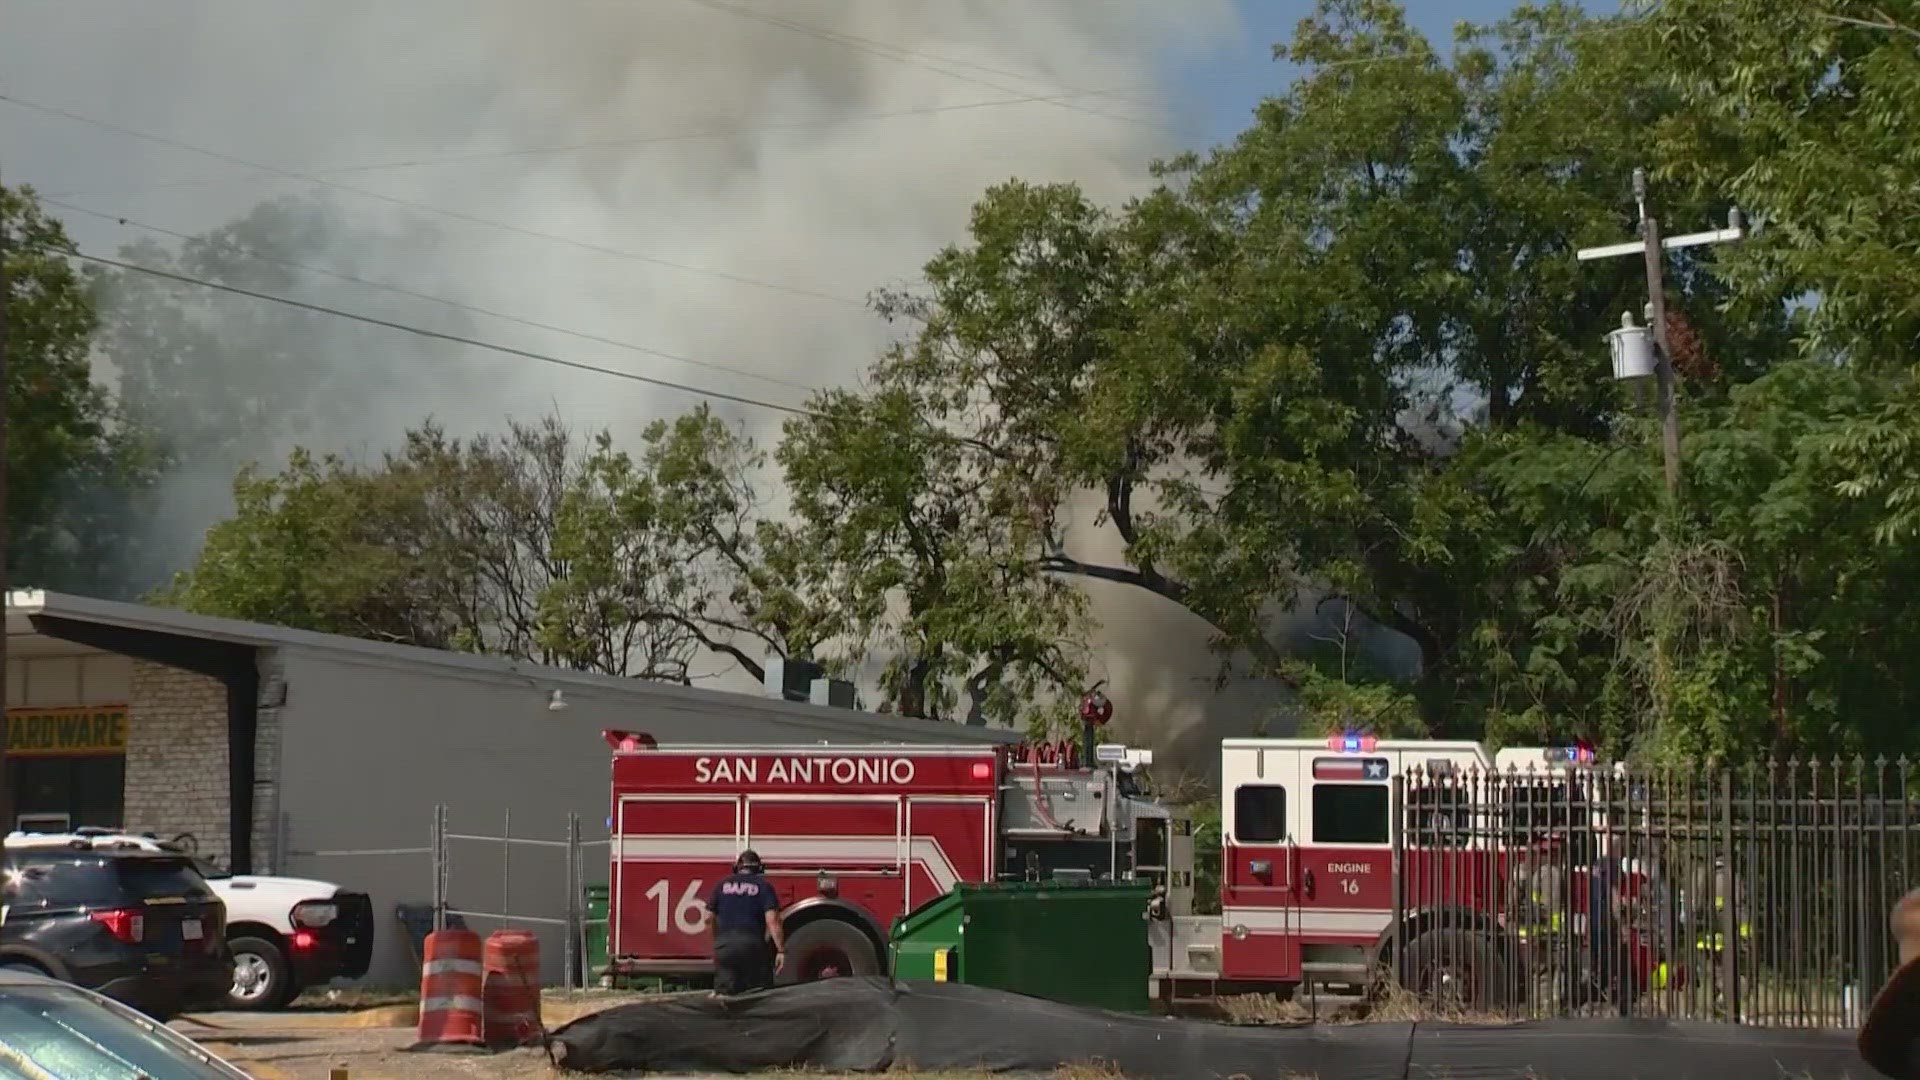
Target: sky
{"type": "Point", "coordinates": [700, 191]}
{"type": "Point", "coordinates": [1221, 86]}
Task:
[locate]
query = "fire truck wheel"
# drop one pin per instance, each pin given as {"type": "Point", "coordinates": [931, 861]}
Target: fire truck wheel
{"type": "Point", "coordinates": [1457, 969]}
{"type": "Point", "coordinates": [828, 949]}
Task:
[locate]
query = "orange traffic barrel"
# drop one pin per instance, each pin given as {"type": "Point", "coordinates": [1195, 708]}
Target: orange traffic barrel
{"type": "Point", "coordinates": [452, 1001]}
{"type": "Point", "coordinates": [512, 989]}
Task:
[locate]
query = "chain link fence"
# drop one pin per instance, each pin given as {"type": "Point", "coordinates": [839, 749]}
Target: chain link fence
{"type": "Point", "coordinates": [515, 878]}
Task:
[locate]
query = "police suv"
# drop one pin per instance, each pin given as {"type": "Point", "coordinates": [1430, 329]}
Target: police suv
{"type": "Point", "coordinates": [286, 934]}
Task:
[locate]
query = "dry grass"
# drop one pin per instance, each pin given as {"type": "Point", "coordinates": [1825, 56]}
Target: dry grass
{"type": "Point", "coordinates": [1389, 1004]}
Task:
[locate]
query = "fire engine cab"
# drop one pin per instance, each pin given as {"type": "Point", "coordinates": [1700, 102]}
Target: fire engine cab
{"type": "Point", "coordinates": [1317, 880]}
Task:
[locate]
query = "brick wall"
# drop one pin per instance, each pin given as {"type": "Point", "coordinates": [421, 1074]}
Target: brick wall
{"type": "Point", "coordinates": [177, 756]}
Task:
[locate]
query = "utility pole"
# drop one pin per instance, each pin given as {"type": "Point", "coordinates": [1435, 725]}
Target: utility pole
{"type": "Point", "coordinates": [6, 725]}
{"type": "Point", "coordinates": [1653, 248]}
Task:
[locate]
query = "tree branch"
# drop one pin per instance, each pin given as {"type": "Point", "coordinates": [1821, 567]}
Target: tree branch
{"type": "Point", "coordinates": [1143, 579]}
{"type": "Point", "coordinates": [727, 648]}
{"type": "Point", "coordinates": [1887, 23]}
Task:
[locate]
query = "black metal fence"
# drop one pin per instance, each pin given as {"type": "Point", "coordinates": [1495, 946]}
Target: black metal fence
{"type": "Point", "coordinates": [1755, 895]}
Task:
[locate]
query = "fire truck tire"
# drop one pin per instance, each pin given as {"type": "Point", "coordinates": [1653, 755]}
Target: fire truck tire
{"type": "Point", "coordinates": [1466, 967]}
{"type": "Point", "coordinates": [828, 948]}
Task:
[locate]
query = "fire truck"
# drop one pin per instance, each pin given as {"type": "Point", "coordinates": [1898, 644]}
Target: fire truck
{"type": "Point", "coordinates": [1323, 878]}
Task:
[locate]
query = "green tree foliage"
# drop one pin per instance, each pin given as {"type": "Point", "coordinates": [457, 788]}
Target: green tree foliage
{"type": "Point", "coordinates": [1349, 360]}
{"type": "Point", "coordinates": [75, 470]}
{"type": "Point", "coordinates": [1808, 114]}
{"type": "Point", "coordinates": [532, 544]}
{"type": "Point", "coordinates": [1260, 367]}
{"type": "Point", "coordinates": [1346, 364]}
{"type": "Point", "coordinates": [924, 551]}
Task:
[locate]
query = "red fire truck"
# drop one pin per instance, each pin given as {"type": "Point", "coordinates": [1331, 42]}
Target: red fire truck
{"type": "Point", "coordinates": [1322, 875]}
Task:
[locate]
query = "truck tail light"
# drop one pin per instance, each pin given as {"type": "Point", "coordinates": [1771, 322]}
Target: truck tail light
{"type": "Point", "coordinates": [983, 770]}
{"type": "Point", "coordinates": [126, 924]}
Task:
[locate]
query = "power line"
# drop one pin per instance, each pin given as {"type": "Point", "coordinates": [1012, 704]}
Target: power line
{"type": "Point", "coordinates": [403, 291]}
{"type": "Point", "coordinates": [645, 140]}
{"type": "Point", "coordinates": [438, 335]}
{"type": "Point", "coordinates": [456, 215]}
{"type": "Point", "coordinates": [896, 54]}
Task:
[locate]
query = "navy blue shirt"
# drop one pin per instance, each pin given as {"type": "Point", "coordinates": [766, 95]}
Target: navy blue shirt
{"type": "Point", "coordinates": [741, 902]}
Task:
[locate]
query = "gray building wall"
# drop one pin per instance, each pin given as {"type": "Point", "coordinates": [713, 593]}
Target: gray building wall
{"type": "Point", "coordinates": [365, 747]}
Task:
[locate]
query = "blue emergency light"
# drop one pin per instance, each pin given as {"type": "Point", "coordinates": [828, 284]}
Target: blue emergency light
{"type": "Point", "coordinates": [1352, 744]}
{"type": "Point", "coordinates": [1577, 754]}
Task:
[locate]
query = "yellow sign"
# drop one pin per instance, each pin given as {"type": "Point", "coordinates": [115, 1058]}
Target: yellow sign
{"type": "Point", "coordinates": [73, 732]}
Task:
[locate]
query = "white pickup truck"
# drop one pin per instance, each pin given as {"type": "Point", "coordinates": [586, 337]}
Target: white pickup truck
{"type": "Point", "coordinates": [286, 933]}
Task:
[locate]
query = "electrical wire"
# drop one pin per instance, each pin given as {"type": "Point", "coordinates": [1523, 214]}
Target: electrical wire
{"type": "Point", "coordinates": [898, 55]}
{"type": "Point", "coordinates": [639, 141]}
{"type": "Point", "coordinates": [475, 309]}
{"type": "Point", "coordinates": [438, 335]}
{"type": "Point", "coordinates": [428, 208]}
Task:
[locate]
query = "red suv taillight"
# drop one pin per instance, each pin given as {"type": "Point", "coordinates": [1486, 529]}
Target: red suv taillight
{"type": "Point", "coordinates": [127, 924]}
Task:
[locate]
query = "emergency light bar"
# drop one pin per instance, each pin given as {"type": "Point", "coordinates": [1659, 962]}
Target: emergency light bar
{"type": "Point", "coordinates": [1578, 754]}
{"type": "Point", "coordinates": [1352, 744]}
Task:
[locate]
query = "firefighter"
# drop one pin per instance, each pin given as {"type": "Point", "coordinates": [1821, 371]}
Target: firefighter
{"type": "Point", "coordinates": [744, 915]}
{"type": "Point", "coordinates": [1890, 1039]}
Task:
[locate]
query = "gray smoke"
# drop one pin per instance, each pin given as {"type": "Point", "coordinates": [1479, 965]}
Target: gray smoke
{"type": "Point", "coordinates": [723, 180]}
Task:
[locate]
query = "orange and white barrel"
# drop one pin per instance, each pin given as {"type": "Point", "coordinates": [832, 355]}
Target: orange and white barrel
{"type": "Point", "coordinates": [452, 998]}
{"type": "Point", "coordinates": [512, 989]}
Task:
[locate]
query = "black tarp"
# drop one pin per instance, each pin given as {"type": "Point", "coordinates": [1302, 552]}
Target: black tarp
{"type": "Point", "coordinates": [866, 1025]}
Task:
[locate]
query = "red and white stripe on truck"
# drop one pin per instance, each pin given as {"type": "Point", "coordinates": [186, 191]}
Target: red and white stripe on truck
{"type": "Point", "coordinates": [864, 832]}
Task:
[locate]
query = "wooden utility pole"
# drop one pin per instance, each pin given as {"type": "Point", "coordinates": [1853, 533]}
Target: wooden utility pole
{"type": "Point", "coordinates": [6, 733]}
{"type": "Point", "coordinates": [1653, 248]}
{"type": "Point", "coordinates": [1657, 315]}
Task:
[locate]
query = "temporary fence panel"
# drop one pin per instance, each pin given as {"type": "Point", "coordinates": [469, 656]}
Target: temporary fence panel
{"type": "Point", "coordinates": [508, 879]}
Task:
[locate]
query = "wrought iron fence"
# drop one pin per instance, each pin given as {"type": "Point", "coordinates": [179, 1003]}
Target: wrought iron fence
{"type": "Point", "coordinates": [1756, 895]}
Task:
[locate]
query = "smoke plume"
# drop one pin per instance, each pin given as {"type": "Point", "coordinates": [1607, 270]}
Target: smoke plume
{"type": "Point", "coordinates": [720, 180]}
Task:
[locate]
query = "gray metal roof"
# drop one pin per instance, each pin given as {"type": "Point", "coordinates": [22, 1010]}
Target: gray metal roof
{"type": "Point", "coordinates": [23, 604]}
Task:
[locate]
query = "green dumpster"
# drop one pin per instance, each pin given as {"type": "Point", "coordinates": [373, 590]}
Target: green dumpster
{"type": "Point", "coordinates": [1083, 943]}
{"type": "Point", "coordinates": [595, 931]}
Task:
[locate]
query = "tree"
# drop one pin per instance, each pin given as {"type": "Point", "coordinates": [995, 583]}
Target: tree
{"type": "Point", "coordinates": [1822, 103]}
{"type": "Point", "coordinates": [324, 546]}
{"type": "Point", "coordinates": [673, 545]}
{"type": "Point", "coordinates": [923, 557]}
{"type": "Point", "coordinates": [75, 469]}
{"type": "Point", "coordinates": [1262, 367]}
{"type": "Point", "coordinates": [534, 544]}
{"type": "Point", "coordinates": [1770, 621]}
{"type": "Point", "coordinates": [218, 381]}
{"type": "Point", "coordinates": [1809, 115]}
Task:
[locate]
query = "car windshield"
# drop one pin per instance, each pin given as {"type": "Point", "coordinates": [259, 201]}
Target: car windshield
{"type": "Point", "coordinates": [60, 1032]}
